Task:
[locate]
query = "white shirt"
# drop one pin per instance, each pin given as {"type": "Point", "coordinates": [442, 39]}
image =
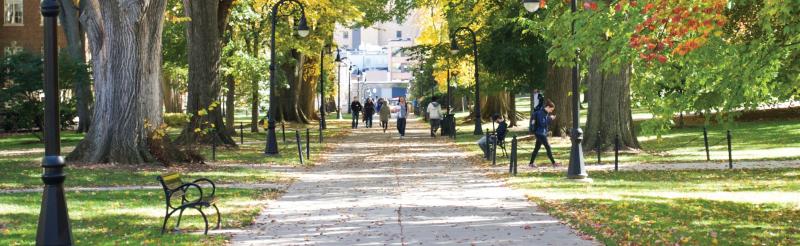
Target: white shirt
{"type": "Point", "coordinates": [434, 111]}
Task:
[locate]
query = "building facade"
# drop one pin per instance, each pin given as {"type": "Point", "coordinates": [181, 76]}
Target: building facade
{"type": "Point", "coordinates": [381, 70]}
{"type": "Point", "coordinates": [22, 27]}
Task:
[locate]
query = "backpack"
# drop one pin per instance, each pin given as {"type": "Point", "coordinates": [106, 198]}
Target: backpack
{"type": "Point", "coordinates": [534, 123]}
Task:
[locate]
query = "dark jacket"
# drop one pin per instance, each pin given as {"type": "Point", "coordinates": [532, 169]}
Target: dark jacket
{"type": "Point", "coordinates": [542, 122]}
{"type": "Point", "coordinates": [501, 130]}
{"type": "Point", "coordinates": [539, 105]}
{"type": "Point", "coordinates": [355, 106]}
{"type": "Point", "coordinates": [369, 108]}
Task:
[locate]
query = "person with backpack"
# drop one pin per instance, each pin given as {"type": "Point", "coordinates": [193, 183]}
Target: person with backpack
{"type": "Point", "coordinates": [369, 111]}
{"type": "Point", "coordinates": [541, 122]}
{"type": "Point", "coordinates": [434, 115]}
{"type": "Point", "coordinates": [384, 114]}
{"type": "Point", "coordinates": [355, 109]}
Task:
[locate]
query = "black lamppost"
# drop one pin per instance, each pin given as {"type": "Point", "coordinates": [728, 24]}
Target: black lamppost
{"type": "Point", "coordinates": [339, 61]}
{"type": "Point", "coordinates": [302, 30]}
{"type": "Point", "coordinates": [454, 49]}
{"type": "Point", "coordinates": [322, 113]}
{"type": "Point", "coordinates": [53, 228]}
{"type": "Point", "coordinates": [577, 165]}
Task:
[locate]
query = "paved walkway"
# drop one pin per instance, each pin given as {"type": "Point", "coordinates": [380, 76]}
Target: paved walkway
{"type": "Point", "coordinates": [376, 189]}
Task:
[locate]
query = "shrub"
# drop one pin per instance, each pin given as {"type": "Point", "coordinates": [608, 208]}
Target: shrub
{"type": "Point", "coordinates": [176, 119]}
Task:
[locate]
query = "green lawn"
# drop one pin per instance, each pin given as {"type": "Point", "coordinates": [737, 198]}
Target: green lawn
{"type": "Point", "coordinates": [729, 207]}
{"type": "Point", "coordinates": [128, 217]}
{"type": "Point", "coordinates": [757, 140]}
{"type": "Point", "coordinates": [252, 151]}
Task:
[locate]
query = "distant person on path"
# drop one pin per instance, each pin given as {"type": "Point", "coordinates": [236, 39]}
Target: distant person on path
{"type": "Point", "coordinates": [355, 109]}
{"type": "Point", "coordinates": [402, 114]}
{"type": "Point", "coordinates": [369, 111]}
{"type": "Point", "coordinates": [434, 115]}
{"type": "Point", "coordinates": [542, 122]}
{"type": "Point", "coordinates": [384, 114]}
{"type": "Point", "coordinates": [500, 135]}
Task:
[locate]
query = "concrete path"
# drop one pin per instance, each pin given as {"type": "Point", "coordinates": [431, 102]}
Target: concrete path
{"type": "Point", "coordinates": [376, 189]}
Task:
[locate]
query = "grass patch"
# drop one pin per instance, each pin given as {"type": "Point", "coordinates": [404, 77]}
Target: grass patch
{"type": "Point", "coordinates": [757, 140]}
{"type": "Point", "coordinates": [25, 172]}
{"type": "Point", "coordinates": [252, 151]}
{"type": "Point", "coordinates": [735, 207]}
{"type": "Point", "coordinates": [127, 217]}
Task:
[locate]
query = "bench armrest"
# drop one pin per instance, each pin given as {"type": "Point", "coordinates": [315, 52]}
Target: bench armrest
{"type": "Point", "coordinates": [213, 186]}
{"type": "Point", "coordinates": [185, 189]}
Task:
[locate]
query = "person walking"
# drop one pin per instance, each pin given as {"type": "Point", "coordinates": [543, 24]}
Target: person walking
{"type": "Point", "coordinates": [434, 115]}
{"type": "Point", "coordinates": [384, 114]}
{"type": "Point", "coordinates": [499, 136]}
{"type": "Point", "coordinates": [355, 109]}
{"type": "Point", "coordinates": [402, 113]}
{"type": "Point", "coordinates": [542, 119]}
{"type": "Point", "coordinates": [369, 111]}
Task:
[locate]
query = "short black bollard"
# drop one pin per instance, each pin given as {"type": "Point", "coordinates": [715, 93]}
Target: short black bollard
{"type": "Point", "coordinates": [308, 144]}
{"type": "Point", "coordinates": [705, 140]}
{"type": "Point", "coordinates": [494, 150]}
{"type": "Point", "coordinates": [283, 132]}
{"type": "Point", "coordinates": [320, 136]}
{"type": "Point", "coordinates": [241, 133]}
{"type": "Point", "coordinates": [730, 154]}
{"type": "Point", "coordinates": [214, 149]}
{"type": "Point", "coordinates": [299, 148]}
{"type": "Point", "coordinates": [597, 147]}
{"type": "Point", "coordinates": [616, 153]}
{"type": "Point", "coordinates": [512, 169]}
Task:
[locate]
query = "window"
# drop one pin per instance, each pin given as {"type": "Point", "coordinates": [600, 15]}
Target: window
{"type": "Point", "coordinates": [399, 34]}
{"type": "Point", "coordinates": [345, 34]}
{"type": "Point", "coordinates": [13, 12]}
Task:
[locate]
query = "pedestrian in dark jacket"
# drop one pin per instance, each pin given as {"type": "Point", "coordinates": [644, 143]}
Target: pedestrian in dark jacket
{"type": "Point", "coordinates": [369, 111]}
{"type": "Point", "coordinates": [542, 122]}
{"type": "Point", "coordinates": [499, 136]}
{"type": "Point", "coordinates": [355, 109]}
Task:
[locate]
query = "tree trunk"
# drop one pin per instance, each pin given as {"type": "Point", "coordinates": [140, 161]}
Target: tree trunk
{"type": "Point", "coordinates": [204, 32]}
{"type": "Point", "coordinates": [609, 108]}
{"type": "Point", "coordinates": [74, 34]}
{"type": "Point", "coordinates": [558, 88]}
{"type": "Point", "coordinates": [292, 99]}
{"type": "Point", "coordinates": [125, 41]}
{"type": "Point", "coordinates": [254, 107]}
{"type": "Point", "coordinates": [500, 103]}
{"type": "Point", "coordinates": [230, 105]}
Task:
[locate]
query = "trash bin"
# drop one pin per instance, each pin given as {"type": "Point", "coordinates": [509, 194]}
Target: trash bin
{"type": "Point", "coordinates": [448, 125]}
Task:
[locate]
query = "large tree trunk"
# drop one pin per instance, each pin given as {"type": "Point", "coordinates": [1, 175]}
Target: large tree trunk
{"type": "Point", "coordinates": [230, 105]}
{"type": "Point", "coordinates": [74, 33]}
{"type": "Point", "coordinates": [557, 89]}
{"type": "Point", "coordinates": [609, 108]}
{"type": "Point", "coordinates": [500, 103]}
{"type": "Point", "coordinates": [204, 32]}
{"type": "Point", "coordinates": [254, 107]}
{"type": "Point", "coordinates": [125, 41]}
{"type": "Point", "coordinates": [291, 99]}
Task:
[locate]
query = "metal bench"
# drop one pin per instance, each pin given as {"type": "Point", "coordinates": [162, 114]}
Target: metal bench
{"type": "Point", "coordinates": [180, 196]}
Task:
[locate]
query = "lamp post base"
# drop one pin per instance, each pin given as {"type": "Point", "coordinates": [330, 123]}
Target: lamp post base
{"type": "Point", "coordinates": [577, 165]}
{"type": "Point", "coordinates": [272, 140]}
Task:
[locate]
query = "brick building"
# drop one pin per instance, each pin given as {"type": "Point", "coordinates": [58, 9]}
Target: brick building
{"type": "Point", "coordinates": [22, 27]}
